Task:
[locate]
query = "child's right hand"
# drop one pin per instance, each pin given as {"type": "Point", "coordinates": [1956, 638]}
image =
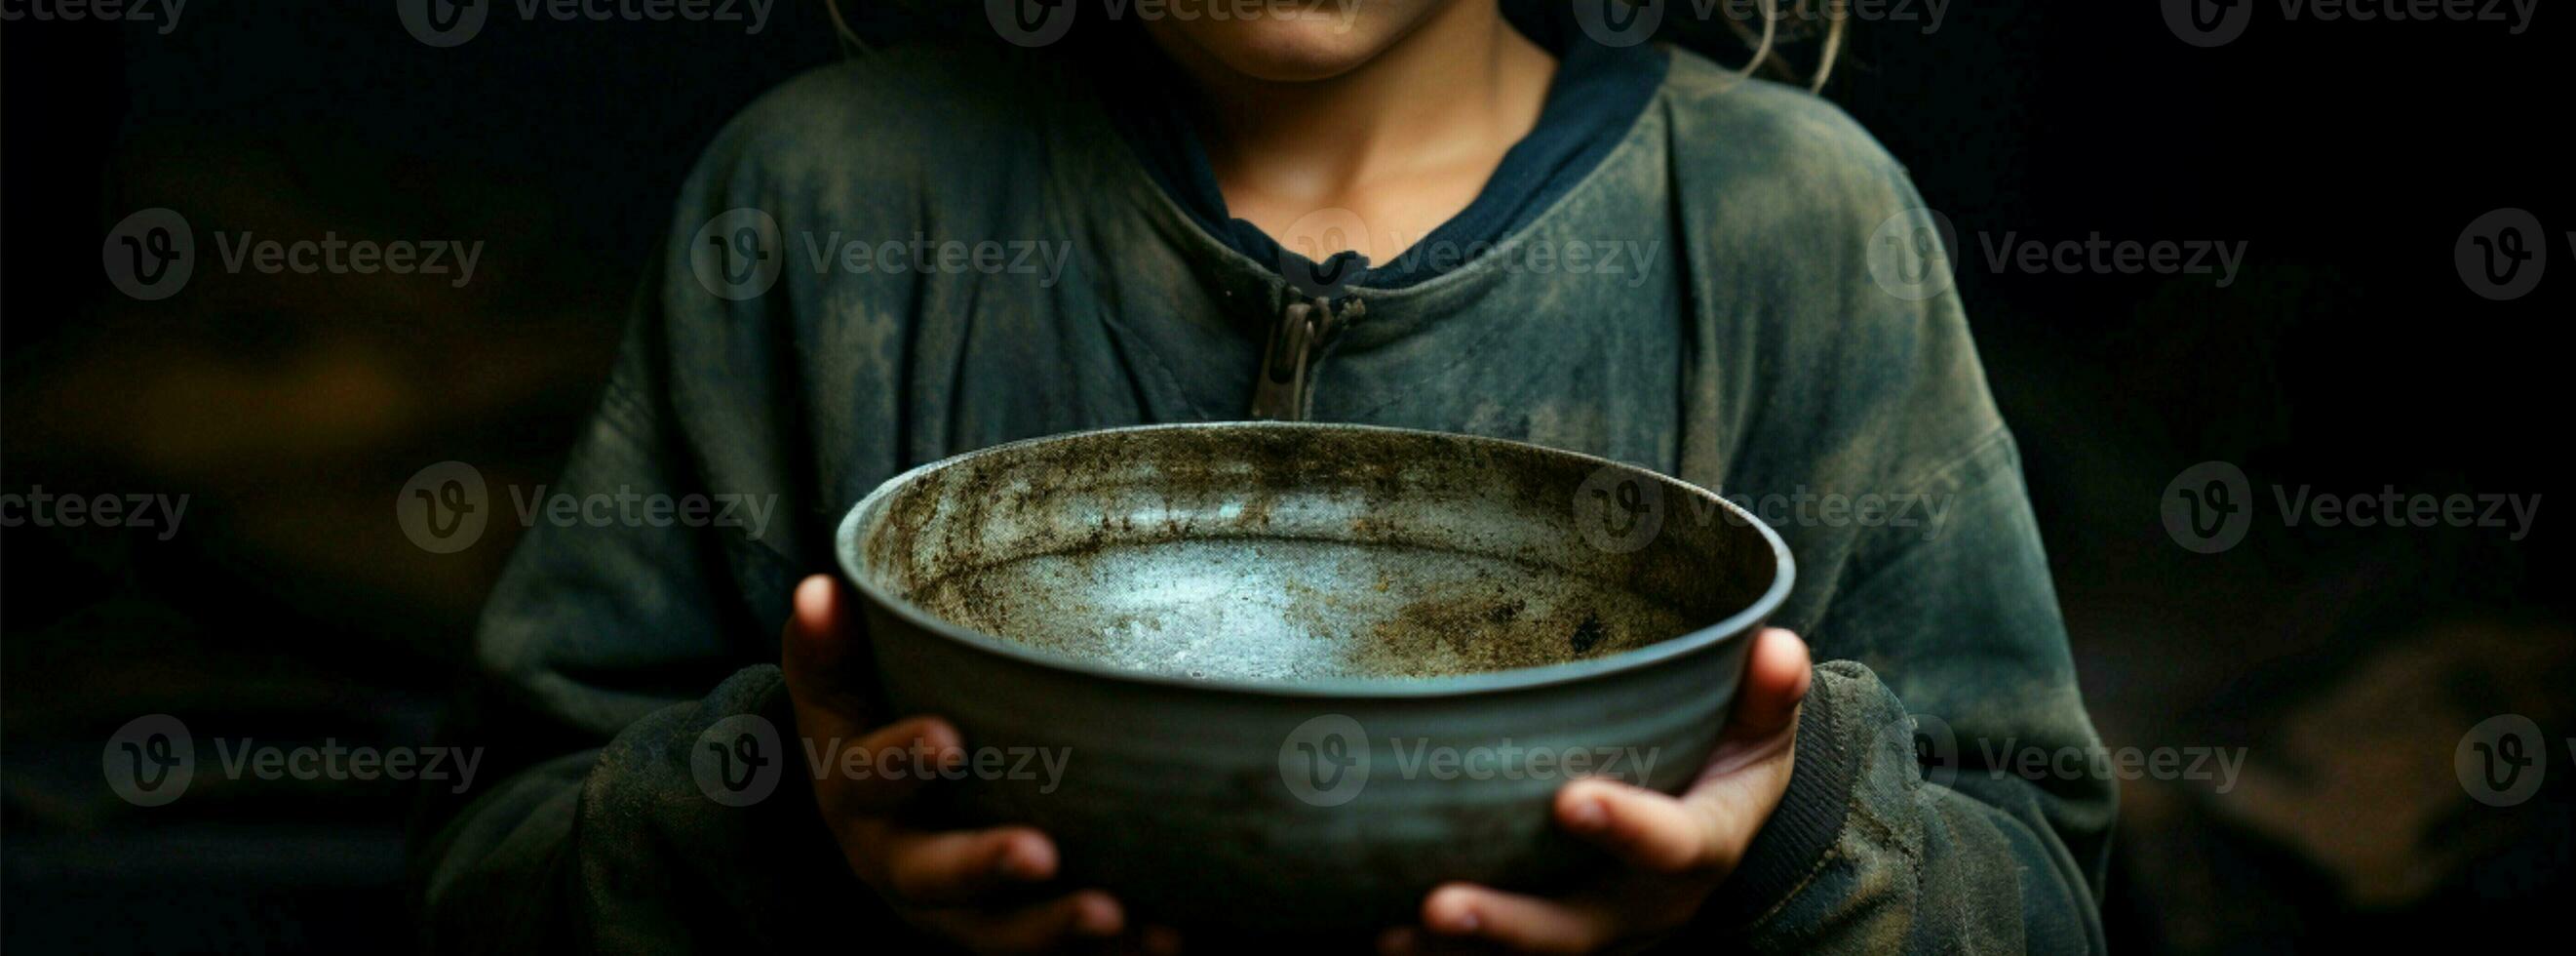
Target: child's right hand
{"type": "Point", "coordinates": [971, 887]}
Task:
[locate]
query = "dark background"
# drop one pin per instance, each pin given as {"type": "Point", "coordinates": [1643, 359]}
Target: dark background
{"type": "Point", "coordinates": [2348, 355]}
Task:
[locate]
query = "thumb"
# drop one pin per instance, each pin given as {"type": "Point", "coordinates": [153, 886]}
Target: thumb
{"type": "Point", "coordinates": [818, 652]}
{"type": "Point", "coordinates": [1777, 673]}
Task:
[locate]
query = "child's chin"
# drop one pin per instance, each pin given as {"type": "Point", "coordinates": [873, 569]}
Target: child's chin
{"type": "Point", "coordinates": [1292, 52]}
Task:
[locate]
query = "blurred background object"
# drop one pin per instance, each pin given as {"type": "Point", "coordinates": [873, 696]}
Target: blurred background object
{"type": "Point", "coordinates": [2347, 355]}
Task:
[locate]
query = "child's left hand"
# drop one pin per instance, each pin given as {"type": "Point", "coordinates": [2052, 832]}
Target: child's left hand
{"type": "Point", "coordinates": [1677, 849]}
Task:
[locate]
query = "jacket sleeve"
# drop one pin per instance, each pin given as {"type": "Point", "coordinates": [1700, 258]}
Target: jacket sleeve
{"type": "Point", "coordinates": [1943, 797]}
{"type": "Point", "coordinates": [627, 667]}
{"type": "Point", "coordinates": [597, 653]}
{"type": "Point", "coordinates": [1909, 825]}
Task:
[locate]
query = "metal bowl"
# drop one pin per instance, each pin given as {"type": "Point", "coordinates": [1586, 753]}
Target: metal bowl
{"type": "Point", "coordinates": [1298, 674]}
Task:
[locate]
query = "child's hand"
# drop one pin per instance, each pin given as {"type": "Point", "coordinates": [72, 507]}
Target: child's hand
{"type": "Point", "coordinates": [970, 887]}
{"type": "Point", "coordinates": [1677, 850]}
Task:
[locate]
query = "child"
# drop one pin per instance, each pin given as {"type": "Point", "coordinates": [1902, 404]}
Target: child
{"type": "Point", "coordinates": [1438, 214]}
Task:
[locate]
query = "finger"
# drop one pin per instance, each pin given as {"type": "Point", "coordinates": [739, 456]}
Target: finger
{"type": "Point", "coordinates": [1516, 922]}
{"type": "Point", "coordinates": [1776, 675]}
{"type": "Point", "coordinates": [960, 867]}
{"type": "Point", "coordinates": [817, 652]}
{"type": "Point", "coordinates": [1644, 829]}
{"type": "Point", "coordinates": [875, 774]}
{"type": "Point", "coordinates": [1038, 927]}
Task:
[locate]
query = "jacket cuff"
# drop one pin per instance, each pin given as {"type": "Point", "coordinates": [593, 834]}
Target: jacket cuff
{"type": "Point", "coordinates": [1809, 821]}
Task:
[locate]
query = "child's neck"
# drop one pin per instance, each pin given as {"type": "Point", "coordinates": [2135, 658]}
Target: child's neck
{"type": "Point", "coordinates": [1403, 142]}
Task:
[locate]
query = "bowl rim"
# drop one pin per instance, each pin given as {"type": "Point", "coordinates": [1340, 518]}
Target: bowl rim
{"type": "Point", "coordinates": [1742, 622]}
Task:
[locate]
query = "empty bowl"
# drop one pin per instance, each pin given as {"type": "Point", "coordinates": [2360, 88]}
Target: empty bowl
{"type": "Point", "coordinates": [1287, 677]}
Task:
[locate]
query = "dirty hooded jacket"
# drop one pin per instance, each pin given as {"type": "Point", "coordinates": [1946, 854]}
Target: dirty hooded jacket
{"type": "Point", "coordinates": [935, 249]}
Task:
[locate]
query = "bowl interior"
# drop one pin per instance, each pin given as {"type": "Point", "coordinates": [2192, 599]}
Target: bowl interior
{"type": "Point", "coordinates": [1299, 553]}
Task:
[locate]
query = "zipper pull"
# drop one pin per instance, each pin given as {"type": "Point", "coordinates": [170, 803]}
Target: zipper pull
{"type": "Point", "coordinates": [1285, 390]}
